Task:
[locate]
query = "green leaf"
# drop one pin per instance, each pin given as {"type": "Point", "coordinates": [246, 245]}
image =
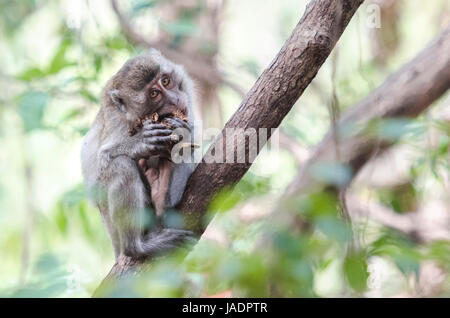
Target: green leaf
{"type": "Point", "coordinates": [71, 115]}
{"type": "Point", "coordinates": [47, 264]}
{"type": "Point", "coordinates": [401, 249]}
{"type": "Point", "coordinates": [50, 279]}
{"type": "Point", "coordinates": [181, 28]}
{"type": "Point", "coordinates": [31, 74]}
{"type": "Point", "coordinates": [98, 62]}
{"type": "Point", "coordinates": [316, 205]}
{"type": "Point", "coordinates": [225, 200]}
{"type": "Point", "coordinates": [88, 95]}
{"type": "Point", "coordinates": [289, 246]}
{"type": "Point", "coordinates": [407, 261]}
{"type": "Point", "coordinates": [394, 128]}
{"type": "Point", "coordinates": [85, 221]}
{"type": "Point", "coordinates": [355, 270]}
{"type": "Point", "coordinates": [59, 60]}
{"type": "Point", "coordinates": [61, 219]}
{"type": "Point", "coordinates": [332, 173]}
{"type": "Point", "coordinates": [141, 5]}
{"type": "Point", "coordinates": [252, 67]}
{"type": "Point", "coordinates": [82, 130]}
{"type": "Point", "coordinates": [31, 109]}
{"type": "Point", "coordinates": [74, 197]}
{"type": "Point", "coordinates": [117, 43]}
{"type": "Point", "coordinates": [252, 185]}
{"type": "Point", "coordinates": [440, 252]}
{"type": "Point", "coordinates": [334, 228]}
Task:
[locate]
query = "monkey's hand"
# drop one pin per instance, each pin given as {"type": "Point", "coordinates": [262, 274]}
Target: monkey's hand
{"type": "Point", "coordinates": [182, 131]}
{"type": "Point", "coordinates": [176, 123]}
{"type": "Point", "coordinates": [152, 140]}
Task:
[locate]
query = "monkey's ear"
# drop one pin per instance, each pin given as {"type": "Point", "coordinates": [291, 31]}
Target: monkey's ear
{"type": "Point", "coordinates": [117, 101]}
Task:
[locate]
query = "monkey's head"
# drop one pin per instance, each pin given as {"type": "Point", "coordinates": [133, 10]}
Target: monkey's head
{"type": "Point", "coordinates": [147, 84]}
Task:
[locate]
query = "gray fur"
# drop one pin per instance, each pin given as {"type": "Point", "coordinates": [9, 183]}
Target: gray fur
{"type": "Point", "coordinates": [109, 159]}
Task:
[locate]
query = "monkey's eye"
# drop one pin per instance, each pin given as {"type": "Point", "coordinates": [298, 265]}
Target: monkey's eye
{"type": "Point", "coordinates": [154, 93]}
{"type": "Point", "coordinates": [165, 81]}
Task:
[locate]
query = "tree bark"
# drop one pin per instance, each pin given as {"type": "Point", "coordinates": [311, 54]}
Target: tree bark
{"type": "Point", "coordinates": [271, 98]}
{"type": "Point", "coordinates": [266, 104]}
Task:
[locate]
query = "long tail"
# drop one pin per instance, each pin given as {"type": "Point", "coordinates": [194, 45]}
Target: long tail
{"type": "Point", "coordinates": [162, 241]}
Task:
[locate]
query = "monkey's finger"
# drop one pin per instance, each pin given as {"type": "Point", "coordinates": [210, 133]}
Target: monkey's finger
{"type": "Point", "coordinates": [159, 140]}
{"type": "Point", "coordinates": [160, 150]}
{"type": "Point", "coordinates": [181, 123]}
{"type": "Point", "coordinates": [155, 150]}
{"type": "Point", "coordinates": [175, 138]}
{"type": "Point", "coordinates": [177, 123]}
{"type": "Point", "coordinates": [156, 132]}
{"type": "Point", "coordinates": [148, 125]}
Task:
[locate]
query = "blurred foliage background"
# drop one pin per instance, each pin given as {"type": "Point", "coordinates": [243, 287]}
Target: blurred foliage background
{"type": "Point", "coordinates": [55, 56]}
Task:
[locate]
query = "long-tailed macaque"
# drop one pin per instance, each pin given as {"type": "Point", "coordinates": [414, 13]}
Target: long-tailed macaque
{"type": "Point", "coordinates": [127, 166]}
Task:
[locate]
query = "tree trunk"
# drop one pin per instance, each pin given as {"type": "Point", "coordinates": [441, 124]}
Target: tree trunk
{"type": "Point", "coordinates": [267, 103]}
{"type": "Point", "coordinates": [271, 98]}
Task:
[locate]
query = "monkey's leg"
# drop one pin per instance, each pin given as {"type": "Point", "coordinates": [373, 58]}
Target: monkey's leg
{"type": "Point", "coordinates": [112, 232]}
{"type": "Point", "coordinates": [128, 202]}
{"type": "Point", "coordinates": [158, 185]}
{"type": "Point", "coordinates": [160, 194]}
{"type": "Point", "coordinates": [167, 181]}
{"type": "Point", "coordinates": [179, 175]}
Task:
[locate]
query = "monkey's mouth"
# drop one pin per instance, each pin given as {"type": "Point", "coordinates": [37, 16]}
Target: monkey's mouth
{"type": "Point", "coordinates": [165, 115]}
{"type": "Point", "coordinates": [171, 111]}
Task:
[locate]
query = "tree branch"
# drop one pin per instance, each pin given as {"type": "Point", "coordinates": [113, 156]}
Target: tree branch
{"type": "Point", "coordinates": [411, 224]}
{"type": "Point", "coordinates": [377, 212]}
{"type": "Point", "coordinates": [406, 93]}
{"type": "Point", "coordinates": [267, 103]}
{"type": "Point", "coordinates": [272, 97]}
{"type": "Point", "coordinates": [195, 65]}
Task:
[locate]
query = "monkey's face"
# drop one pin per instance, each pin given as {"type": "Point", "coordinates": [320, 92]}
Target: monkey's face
{"type": "Point", "coordinates": [165, 93]}
{"type": "Point", "coordinates": [150, 83]}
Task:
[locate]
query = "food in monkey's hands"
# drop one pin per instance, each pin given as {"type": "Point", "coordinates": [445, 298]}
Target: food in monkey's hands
{"type": "Point", "coordinates": [159, 177]}
{"type": "Point", "coordinates": [155, 118]}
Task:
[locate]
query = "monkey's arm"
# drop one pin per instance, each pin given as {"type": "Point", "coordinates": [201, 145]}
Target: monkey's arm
{"type": "Point", "coordinates": [124, 200]}
{"type": "Point", "coordinates": [151, 140]}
